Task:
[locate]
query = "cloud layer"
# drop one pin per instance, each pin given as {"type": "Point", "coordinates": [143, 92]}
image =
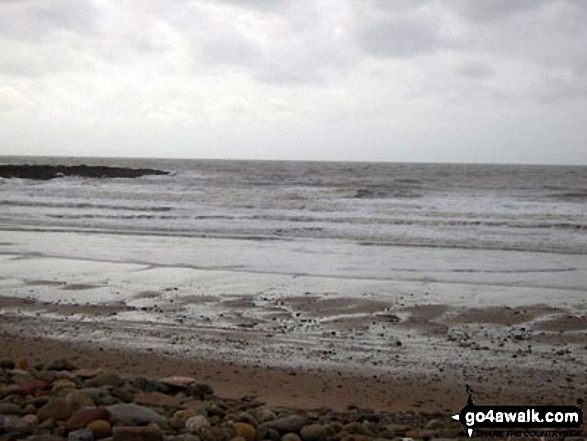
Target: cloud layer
{"type": "Point", "coordinates": [421, 80]}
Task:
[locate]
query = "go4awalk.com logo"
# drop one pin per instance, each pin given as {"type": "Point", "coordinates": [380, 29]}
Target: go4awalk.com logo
{"type": "Point", "coordinates": [523, 418]}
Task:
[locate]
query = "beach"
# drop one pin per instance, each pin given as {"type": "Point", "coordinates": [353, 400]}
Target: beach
{"type": "Point", "coordinates": [391, 299]}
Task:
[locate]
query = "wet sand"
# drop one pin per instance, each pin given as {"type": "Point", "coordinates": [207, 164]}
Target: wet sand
{"type": "Point", "coordinates": [335, 336]}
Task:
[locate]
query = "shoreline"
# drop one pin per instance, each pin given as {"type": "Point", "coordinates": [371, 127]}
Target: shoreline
{"type": "Point", "coordinates": [440, 394]}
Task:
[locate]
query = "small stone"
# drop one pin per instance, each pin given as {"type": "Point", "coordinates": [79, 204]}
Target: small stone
{"type": "Point", "coordinates": [61, 365]}
{"type": "Point", "coordinates": [108, 379]}
{"type": "Point", "coordinates": [123, 394]}
{"type": "Point", "coordinates": [290, 437]}
{"type": "Point", "coordinates": [44, 438]}
{"type": "Point", "coordinates": [88, 373]}
{"type": "Point", "coordinates": [31, 419]}
{"type": "Point", "coordinates": [184, 414]}
{"type": "Point", "coordinates": [216, 434]}
{"type": "Point", "coordinates": [23, 363]}
{"type": "Point", "coordinates": [130, 413]}
{"type": "Point", "coordinates": [434, 425]}
{"type": "Point", "coordinates": [201, 391]}
{"type": "Point", "coordinates": [80, 435]}
{"type": "Point", "coordinates": [149, 433]}
{"type": "Point", "coordinates": [79, 400]}
{"type": "Point", "coordinates": [196, 423]}
{"type": "Point", "coordinates": [414, 433]}
{"type": "Point", "coordinates": [6, 364]}
{"type": "Point", "coordinates": [292, 423]}
{"type": "Point", "coordinates": [187, 437]}
{"type": "Point", "coordinates": [63, 384]}
{"type": "Point", "coordinates": [157, 399]}
{"type": "Point", "coordinates": [57, 409]}
{"type": "Point", "coordinates": [85, 416]}
{"type": "Point", "coordinates": [17, 425]}
{"type": "Point", "coordinates": [9, 409]}
{"type": "Point", "coordinates": [314, 432]}
{"type": "Point", "coordinates": [100, 429]}
{"type": "Point", "coordinates": [29, 385]}
{"type": "Point", "coordinates": [265, 415]}
{"type": "Point", "coordinates": [178, 382]}
{"type": "Point", "coordinates": [357, 428]}
{"type": "Point", "coordinates": [247, 431]}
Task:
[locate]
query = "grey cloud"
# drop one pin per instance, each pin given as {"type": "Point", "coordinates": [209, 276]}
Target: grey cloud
{"type": "Point", "coordinates": [489, 10]}
{"type": "Point", "coordinates": [31, 19]}
{"type": "Point", "coordinates": [475, 69]}
{"type": "Point", "coordinates": [556, 89]}
{"type": "Point", "coordinates": [400, 36]}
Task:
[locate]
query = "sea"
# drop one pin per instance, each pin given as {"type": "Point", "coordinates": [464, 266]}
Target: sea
{"type": "Point", "coordinates": [536, 208]}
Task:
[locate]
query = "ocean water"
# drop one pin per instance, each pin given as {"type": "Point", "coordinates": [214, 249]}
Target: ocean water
{"type": "Point", "coordinates": [503, 207]}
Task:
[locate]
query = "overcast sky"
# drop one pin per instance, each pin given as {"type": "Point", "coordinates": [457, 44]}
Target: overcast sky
{"type": "Point", "coordinates": [376, 80]}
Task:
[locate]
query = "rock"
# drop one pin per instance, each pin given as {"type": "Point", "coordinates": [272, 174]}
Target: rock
{"type": "Point", "coordinates": [30, 385]}
{"type": "Point", "coordinates": [216, 434]}
{"type": "Point", "coordinates": [434, 425]}
{"type": "Point", "coordinates": [22, 363]}
{"type": "Point", "coordinates": [201, 391]}
{"type": "Point", "coordinates": [292, 423]}
{"type": "Point", "coordinates": [88, 373]}
{"type": "Point", "coordinates": [46, 172]}
{"type": "Point", "coordinates": [149, 433]}
{"type": "Point", "coordinates": [357, 428]}
{"type": "Point", "coordinates": [108, 379]}
{"type": "Point", "coordinates": [9, 409]}
{"type": "Point", "coordinates": [123, 394]}
{"type": "Point", "coordinates": [44, 438]}
{"type": "Point", "coordinates": [290, 437]}
{"type": "Point", "coordinates": [85, 416]}
{"type": "Point", "coordinates": [63, 384]}
{"type": "Point", "coordinates": [31, 419]}
{"type": "Point", "coordinates": [61, 365]}
{"type": "Point", "coordinates": [57, 409]}
{"type": "Point", "coordinates": [6, 364]}
{"type": "Point", "coordinates": [80, 435]}
{"type": "Point", "coordinates": [101, 397]}
{"type": "Point", "coordinates": [17, 425]}
{"type": "Point", "coordinates": [247, 431]}
{"type": "Point", "coordinates": [265, 415]}
{"type": "Point", "coordinates": [195, 423]}
{"type": "Point", "coordinates": [130, 413]}
{"type": "Point", "coordinates": [79, 400]}
{"type": "Point", "coordinates": [314, 432]}
{"type": "Point", "coordinates": [157, 399]}
{"type": "Point", "coordinates": [184, 414]}
{"type": "Point", "coordinates": [177, 383]}
{"type": "Point", "coordinates": [100, 429]}
{"type": "Point", "coordinates": [187, 437]}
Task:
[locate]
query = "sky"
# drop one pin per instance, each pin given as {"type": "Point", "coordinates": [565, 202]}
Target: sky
{"type": "Point", "coordinates": [496, 81]}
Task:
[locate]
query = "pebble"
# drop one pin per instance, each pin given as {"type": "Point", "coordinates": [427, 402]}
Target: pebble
{"type": "Point", "coordinates": [196, 423]}
{"type": "Point", "coordinates": [245, 430]}
{"type": "Point", "coordinates": [79, 400]}
{"type": "Point", "coordinates": [108, 379]}
{"type": "Point", "coordinates": [80, 435]}
{"type": "Point", "coordinates": [61, 365]}
{"type": "Point", "coordinates": [314, 432]}
{"type": "Point", "coordinates": [100, 429]}
{"type": "Point", "coordinates": [292, 423]}
{"type": "Point", "coordinates": [149, 433]}
{"type": "Point", "coordinates": [134, 414]}
{"type": "Point", "coordinates": [63, 384]}
{"type": "Point", "coordinates": [157, 399]}
{"type": "Point", "coordinates": [9, 409]}
{"type": "Point", "coordinates": [216, 434]}
{"type": "Point", "coordinates": [57, 409]}
{"type": "Point", "coordinates": [290, 437]}
{"type": "Point", "coordinates": [85, 416]}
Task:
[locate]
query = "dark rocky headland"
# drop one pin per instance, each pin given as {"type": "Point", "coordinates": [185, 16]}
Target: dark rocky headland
{"type": "Point", "coordinates": [46, 172]}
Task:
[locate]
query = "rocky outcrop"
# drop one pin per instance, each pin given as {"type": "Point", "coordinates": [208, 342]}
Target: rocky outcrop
{"type": "Point", "coordinates": [46, 172]}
